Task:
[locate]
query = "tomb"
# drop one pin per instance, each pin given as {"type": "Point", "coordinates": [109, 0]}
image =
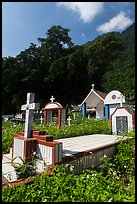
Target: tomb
{"type": "Point", "coordinates": [122, 121]}
{"type": "Point", "coordinates": [29, 141]}
{"type": "Point", "coordinates": [113, 100]}
{"type": "Point", "coordinates": [54, 113]}
{"type": "Point", "coordinates": [93, 104]}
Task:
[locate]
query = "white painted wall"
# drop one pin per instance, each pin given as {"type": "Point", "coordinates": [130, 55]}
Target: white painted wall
{"type": "Point", "coordinates": [118, 99]}
{"type": "Point", "coordinates": [100, 110]}
{"type": "Point", "coordinates": [18, 150]}
{"type": "Point", "coordinates": [112, 108]}
{"type": "Point", "coordinates": [122, 112]}
{"type": "Point", "coordinates": [45, 153]}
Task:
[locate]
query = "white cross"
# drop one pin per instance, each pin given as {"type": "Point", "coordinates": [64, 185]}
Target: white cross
{"type": "Point", "coordinates": [121, 103]}
{"type": "Point", "coordinates": [69, 119]}
{"type": "Point", "coordinates": [52, 98]}
{"type": "Point", "coordinates": [30, 106]}
{"type": "Point", "coordinates": [41, 119]}
{"type": "Point", "coordinates": [93, 86]}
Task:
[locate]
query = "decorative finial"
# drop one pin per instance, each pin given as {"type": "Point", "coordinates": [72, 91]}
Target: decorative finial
{"type": "Point", "coordinates": [93, 86]}
{"type": "Point", "coordinates": [52, 99]}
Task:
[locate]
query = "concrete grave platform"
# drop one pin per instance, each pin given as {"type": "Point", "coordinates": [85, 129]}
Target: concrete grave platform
{"type": "Point", "coordinates": [83, 152]}
{"type": "Point", "coordinates": [74, 147]}
{"type": "Point", "coordinates": [78, 144]}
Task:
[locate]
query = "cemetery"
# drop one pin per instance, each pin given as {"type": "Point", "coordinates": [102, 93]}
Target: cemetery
{"type": "Point", "coordinates": [80, 151]}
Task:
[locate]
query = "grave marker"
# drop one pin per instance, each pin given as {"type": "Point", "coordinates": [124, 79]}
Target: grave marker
{"type": "Point", "coordinates": [52, 99]}
{"type": "Point", "coordinates": [69, 119]}
{"type": "Point", "coordinates": [74, 116]}
{"type": "Point", "coordinates": [41, 119]}
{"type": "Point", "coordinates": [30, 106]}
{"type": "Point", "coordinates": [122, 121]}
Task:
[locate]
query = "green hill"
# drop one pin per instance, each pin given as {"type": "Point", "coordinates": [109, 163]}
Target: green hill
{"type": "Point", "coordinates": [67, 72]}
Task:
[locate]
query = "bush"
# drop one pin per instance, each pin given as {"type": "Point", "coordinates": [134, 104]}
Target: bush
{"type": "Point", "coordinates": [107, 185]}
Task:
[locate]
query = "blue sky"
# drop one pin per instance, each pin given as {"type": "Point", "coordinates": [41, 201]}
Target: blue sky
{"type": "Point", "coordinates": [24, 22]}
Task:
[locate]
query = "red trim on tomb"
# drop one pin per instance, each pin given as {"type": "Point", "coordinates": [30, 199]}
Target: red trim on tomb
{"type": "Point", "coordinates": [57, 106]}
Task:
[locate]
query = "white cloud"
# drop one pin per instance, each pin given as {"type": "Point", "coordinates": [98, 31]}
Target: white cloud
{"type": "Point", "coordinates": [118, 23]}
{"type": "Point", "coordinates": [86, 10]}
{"type": "Point", "coordinates": [83, 35]}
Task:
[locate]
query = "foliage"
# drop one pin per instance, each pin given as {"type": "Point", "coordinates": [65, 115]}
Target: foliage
{"type": "Point", "coordinates": [90, 186]}
{"type": "Point", "coordinates": [80, 126]}
{"type": "Point", "coordinates": [58, 67]}
{"type": "Point", "coordinates": [9, 129]}
{"type": "Point", "coordinates": [25, 169]}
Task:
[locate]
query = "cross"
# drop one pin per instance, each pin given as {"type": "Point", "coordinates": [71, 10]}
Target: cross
{"type": "Point", "coordinates": [93, 86]}
{"type": "Point", "coordinates": [69, 119]}
{"type": "Point", "coordinates": [74, 116]}
{"type": "Point", "coordinates": [121, 103]}
{"type": "Point", "coordinates": [29, 107]}
{"type": "Point", "coordinates": [41, 119]}
{"type": "Point", "coordinates": [52, 98]}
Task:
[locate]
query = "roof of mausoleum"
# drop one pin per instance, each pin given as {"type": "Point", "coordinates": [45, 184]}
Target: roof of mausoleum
{"type": "Point", "coordinates": [100, 95]}
{"type": "Point", "coordinates": [52, 105]}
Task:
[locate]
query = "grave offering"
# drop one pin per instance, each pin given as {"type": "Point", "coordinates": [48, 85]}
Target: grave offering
{"type": "Point", "coordinates": [122, 121]}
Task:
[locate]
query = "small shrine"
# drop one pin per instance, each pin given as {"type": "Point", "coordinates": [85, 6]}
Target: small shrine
{"type": "Point", "coordinates": [122, 121]}
{"type": "Point", "coordinates": [53, 113]}
{"type": "Point", "coordinates": [94, 103]}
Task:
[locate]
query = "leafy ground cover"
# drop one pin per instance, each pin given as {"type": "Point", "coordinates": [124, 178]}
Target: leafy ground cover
{"type": "Point", "coordinates": [114, 182]}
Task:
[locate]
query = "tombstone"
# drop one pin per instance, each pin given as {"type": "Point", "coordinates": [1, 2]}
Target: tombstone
{"type": "Point", "coordinates": [74, 116]}
{"type": "Point", "coordinates": [30, 106]}
{"type": "Point", "coordinates": [69, 119]}
{"type": "Point", "coordinates": [24, 144]}
{"type": "Point", "coordinates": [29, 141]}
{"type": "Point", "coordinates": [41, 119]}
{"type": "Point", "coordinates": [63, 117]}
{"type": "Point", "coordinates": [122, 121]}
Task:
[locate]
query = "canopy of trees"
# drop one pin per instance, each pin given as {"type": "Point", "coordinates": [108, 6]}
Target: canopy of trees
{"type": "Point", "coordinates": [60, 68]}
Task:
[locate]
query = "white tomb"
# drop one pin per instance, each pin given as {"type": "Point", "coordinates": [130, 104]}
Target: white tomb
{"type": "Point", "coordinates": [122, 121]}
{"type": "Point", "coordinates": [113, 100]}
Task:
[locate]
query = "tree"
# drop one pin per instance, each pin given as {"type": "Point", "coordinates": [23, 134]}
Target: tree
{"type": "Point", "coordinates": [56, 42]}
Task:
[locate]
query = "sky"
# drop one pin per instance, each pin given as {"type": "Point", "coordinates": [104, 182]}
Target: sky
{"type": "Point", "coordinates": [24, 22]}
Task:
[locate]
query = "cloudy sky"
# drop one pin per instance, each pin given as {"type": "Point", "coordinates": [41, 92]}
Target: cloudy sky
{"type": "Point", "coordinates": [24, 22]}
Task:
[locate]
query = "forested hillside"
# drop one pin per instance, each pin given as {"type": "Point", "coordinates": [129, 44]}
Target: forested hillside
{"type": "Point", "coordinates": [60, 68]}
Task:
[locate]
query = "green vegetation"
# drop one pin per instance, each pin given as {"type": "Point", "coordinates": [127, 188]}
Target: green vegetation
{"type": "Point", "coordinates": [67, 71]}
{"type": "Point", "coordinates": [114, 182]}
{"type": "Point", "coordinates": [80, 126]}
